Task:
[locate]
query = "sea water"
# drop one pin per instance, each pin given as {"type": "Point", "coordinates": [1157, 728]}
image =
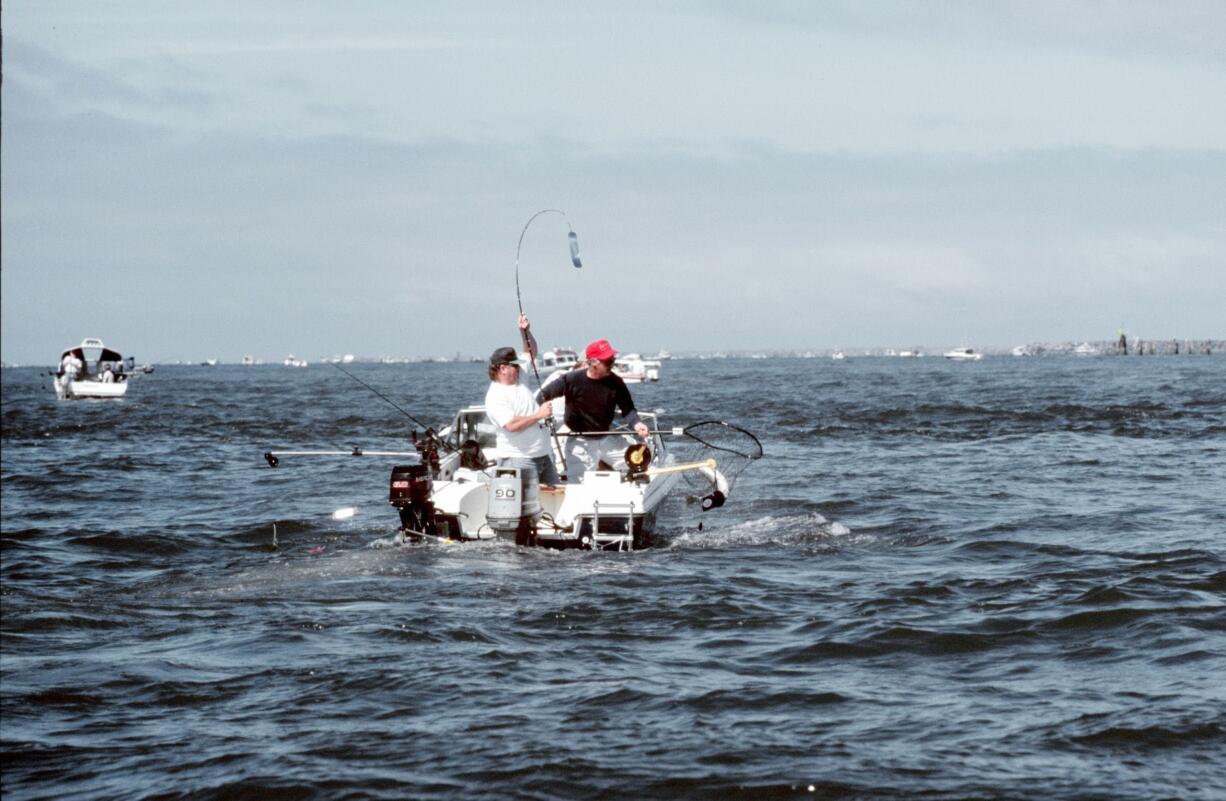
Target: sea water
{"type": "Point", "coordinates": [1001, 579]}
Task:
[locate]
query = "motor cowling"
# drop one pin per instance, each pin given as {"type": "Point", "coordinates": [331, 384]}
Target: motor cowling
{"type": "Point", "coordinates": [410, 484]}
{"type": "Point", "coordinates": [514, 503]}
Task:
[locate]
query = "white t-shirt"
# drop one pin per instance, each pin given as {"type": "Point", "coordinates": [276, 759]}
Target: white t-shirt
{"type": "Point", "coordinates": [505, 402]}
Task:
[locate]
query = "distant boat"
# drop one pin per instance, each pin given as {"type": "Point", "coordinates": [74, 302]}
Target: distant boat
{"type": "Point", "coordinates": [963, 355]}
{"type": "Point", "coordinates": [1021, 350]}
{"type": "Point", "coordinates": [838, 356]}
{"type": "Point", "coordinates": [634, 369]}
{"type": "Point", "coordinates": [248, 360]}
{"type": "Point", "coordinates": [1085, 349]}
{"type": "Point", "coordinates": [558, 359]}
{"type": "Point", "coordinates": [910, 354]}
{"type": "Point", "coordinates": [209, 363]}
{"type": "Point", "coordinates": [293, 361]}
{"type": "Point", "coordinates": [93, 371]}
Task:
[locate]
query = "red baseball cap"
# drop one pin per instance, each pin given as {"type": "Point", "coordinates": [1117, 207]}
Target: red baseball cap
{"type": "Point", "coordinates": [600, 350]}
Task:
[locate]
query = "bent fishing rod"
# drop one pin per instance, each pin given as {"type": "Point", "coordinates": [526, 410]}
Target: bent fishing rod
{"type": "Point", "coordinates": [573, 240]}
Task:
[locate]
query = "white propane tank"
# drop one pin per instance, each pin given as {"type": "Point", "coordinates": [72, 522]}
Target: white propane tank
{"type": "Point", "coordinates": [506, 499]}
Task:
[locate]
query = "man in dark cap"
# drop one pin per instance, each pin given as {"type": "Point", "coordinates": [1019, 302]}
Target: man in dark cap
{"type": "Point", "coordinates": [523, 439]}
{"type": "Point", "coordinates": [593, 395]}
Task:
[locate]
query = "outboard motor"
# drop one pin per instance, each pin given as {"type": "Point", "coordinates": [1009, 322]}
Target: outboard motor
{"type": "Point", "coordinates": [514, 503]}
{"type": "Point", "coordinates": [410, 490]}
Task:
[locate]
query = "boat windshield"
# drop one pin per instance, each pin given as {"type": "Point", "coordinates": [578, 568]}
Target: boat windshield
{"type": "Point", "coordinates": [475, 425]}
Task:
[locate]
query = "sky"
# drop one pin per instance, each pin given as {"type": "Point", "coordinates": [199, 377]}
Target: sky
{"type": "Point", "coordinates": [208, 180]}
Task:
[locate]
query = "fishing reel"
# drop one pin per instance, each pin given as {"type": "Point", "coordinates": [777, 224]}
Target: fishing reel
{"type": "Point", "coordinates": [638, 457]}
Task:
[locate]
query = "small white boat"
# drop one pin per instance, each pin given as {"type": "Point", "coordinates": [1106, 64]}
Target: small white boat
{"type": "Point", "coordinates": [293, 361]}
{"type": "Point", "coordinates": [558, 359]}
{"type": "Point", "coordinates": [838, 356]}
{"type": "Point", "coordinates": [1085, 349]}
{"type": "Point", "coordinates": [910, 354]}
{"type": "Point", "coordinates": [963, 355]}
{"type": "Point", "coordinates": [93, 371]}
{"type": "Point", "coordinates": [634, 369]}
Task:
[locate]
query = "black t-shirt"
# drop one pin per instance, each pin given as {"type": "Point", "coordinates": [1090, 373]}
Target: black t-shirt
{"type": "Point", "coordinates": [590, 404]}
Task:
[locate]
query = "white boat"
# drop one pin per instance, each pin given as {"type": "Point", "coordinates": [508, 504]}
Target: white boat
{"type": "Point", "coordinates": [630, 367]}
{"type": "Point", "coordinates": [838, 356]}
{"type": "Point", "coordinates": [634, 369]}
{"type": "Point", "coordinates": [1085, 349]}
{"type": "Point", "coordinates": [558, 359]}
{"type": "Point", "coordinates": [92, 370]}
{"type": "Point", "coordinates": [455, 491]}
{"type": "Point", "coordinates": [963, 355]}
{"type": "Point", "coordinates": [910, 354]}
{"type": "Point", "coordinates": [293, 361]}
{"type": "Point", "coordinates": [450, 488]}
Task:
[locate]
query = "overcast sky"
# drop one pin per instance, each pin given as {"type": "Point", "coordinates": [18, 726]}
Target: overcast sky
{"type": "Point", "coordinates": [189, 180]}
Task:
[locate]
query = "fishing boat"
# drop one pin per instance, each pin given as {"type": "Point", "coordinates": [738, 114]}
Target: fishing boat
{"type": "Point", "coordinates": [451, 488]}
{"type": "Point", "coordinates": [91, 370]}
{"type": "Point", "coordinates": [558, 359]}
{"type": "Point", "coordinates": [634, 369]}
{"type": "Point", "coordinates": [963, 355]}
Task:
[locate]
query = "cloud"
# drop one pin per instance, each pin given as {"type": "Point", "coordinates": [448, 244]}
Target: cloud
{"type": "Point", "coordinates": [1179, 29]}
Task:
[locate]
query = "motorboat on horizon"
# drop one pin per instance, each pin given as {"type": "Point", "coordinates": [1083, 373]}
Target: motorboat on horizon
{"type": "Point", "coordinates": [963, 354]}
{"type": "Point", "coordinates": [630, 367]}
{"type": "Point", "coordinates": [634, 369]}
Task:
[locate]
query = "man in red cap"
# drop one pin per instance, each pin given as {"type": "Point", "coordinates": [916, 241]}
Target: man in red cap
{"type": "Point", "coordinates": [592, 396]}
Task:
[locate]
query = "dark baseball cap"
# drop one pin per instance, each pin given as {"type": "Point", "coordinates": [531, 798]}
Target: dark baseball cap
{"type": "Point", "coordinates": [504, 356]}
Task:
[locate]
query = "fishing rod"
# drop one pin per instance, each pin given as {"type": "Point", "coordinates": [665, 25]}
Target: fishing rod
{"type": "Point", "coordinates": [384, 397]}
{"type": "Point", "coordinates": [573, 240]}
{"type": "Point", "coordinates": [274, 457]}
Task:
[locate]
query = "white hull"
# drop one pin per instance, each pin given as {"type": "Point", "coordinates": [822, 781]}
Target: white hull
{"type": "Point", "coordinates": [84, 390]}
{"type": "Point", "coordinates": [604, 511]}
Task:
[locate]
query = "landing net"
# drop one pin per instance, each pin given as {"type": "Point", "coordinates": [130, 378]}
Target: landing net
{"type": "Point", "coordinates": [733, 448]}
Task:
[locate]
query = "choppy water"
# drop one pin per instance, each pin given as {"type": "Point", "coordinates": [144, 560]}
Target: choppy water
{"type": "Point", "coordinates": [1003, 579]}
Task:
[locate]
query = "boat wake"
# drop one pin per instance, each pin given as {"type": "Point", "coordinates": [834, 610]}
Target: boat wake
{"type": "Point", "coordinates": [809, 528]}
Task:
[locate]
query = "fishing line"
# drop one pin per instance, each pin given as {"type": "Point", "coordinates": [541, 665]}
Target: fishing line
{"type": "Point", "coordinates": [429, 431]}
